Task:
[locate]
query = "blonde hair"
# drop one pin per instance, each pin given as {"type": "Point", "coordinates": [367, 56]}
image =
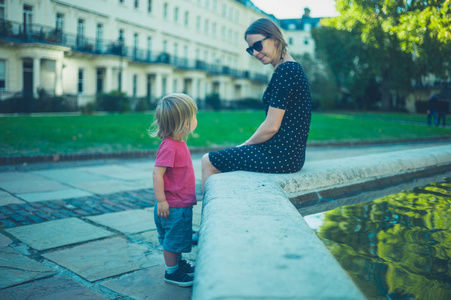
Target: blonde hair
{"type": "Point", "coordinates": [268, 28]}
{"type": "Point", "coordinates": [173, 116]}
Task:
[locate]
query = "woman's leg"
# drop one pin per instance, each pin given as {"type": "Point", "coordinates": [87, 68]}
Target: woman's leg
{"type": "Point", "coordinates": [207, 169]}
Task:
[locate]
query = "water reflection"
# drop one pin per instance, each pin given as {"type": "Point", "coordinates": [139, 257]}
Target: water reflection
{"type": "Point", "coordinates": [395, 247]}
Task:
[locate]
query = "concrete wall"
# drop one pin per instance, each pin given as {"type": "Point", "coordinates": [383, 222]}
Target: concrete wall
{"type": "Point", "coordinates": [254, 244]}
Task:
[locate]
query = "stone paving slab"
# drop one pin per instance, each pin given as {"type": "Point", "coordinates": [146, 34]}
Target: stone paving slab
{"type": "Point", "coordinates": [119, 172]}
{"type": "Point", "coordinates": [105, 187]}
{"type": "Point", "coordinates": [4, 241]}
{"type": "Point", "coordinates": [28, 183]}
{"type": "Point", "coordinates": [148, 284]}
{"type": "Point", "coordinates": [16, 268]}
{"type": "Point", "coordinates": [151, 239]}
{"type": "Point", "coordinates": [106, 258]}
{"type": "Point", "coordinates": [69, 175]}
{"type": "Point", "coordinates": [130, 221]}
{"type": "Point", "coordinates": [53, 234]}
{"type": "Point", "coordinates": [55, 288]}
{"type": "Point", "coordinates": [7, 198]}
{"type": "Point", "coordinates": [142, 165]}
{"type": "Point", "coordinates": [54, 195]}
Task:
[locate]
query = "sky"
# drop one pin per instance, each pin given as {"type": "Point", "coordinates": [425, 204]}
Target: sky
{"type": "Point", "coordinates": [291, 9]}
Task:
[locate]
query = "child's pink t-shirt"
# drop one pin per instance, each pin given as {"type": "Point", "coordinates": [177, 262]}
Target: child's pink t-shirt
{"type": "Point", "coordinates": [179, 181]}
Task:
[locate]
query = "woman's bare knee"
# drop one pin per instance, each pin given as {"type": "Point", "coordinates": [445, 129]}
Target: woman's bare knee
{"type": "Point", "coordinates": [207, 168]}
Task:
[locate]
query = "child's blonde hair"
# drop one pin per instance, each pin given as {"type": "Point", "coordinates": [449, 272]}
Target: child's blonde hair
{"type": "Point", "coordinates": [173, 116]}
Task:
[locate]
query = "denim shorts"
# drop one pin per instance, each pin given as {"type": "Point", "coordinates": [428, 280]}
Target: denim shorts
{"type": "Point", "coordinates": [175, 233]}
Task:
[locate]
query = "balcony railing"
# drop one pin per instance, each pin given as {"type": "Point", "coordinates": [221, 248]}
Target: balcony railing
{"type": "Point", "coordinates": [32, 33]}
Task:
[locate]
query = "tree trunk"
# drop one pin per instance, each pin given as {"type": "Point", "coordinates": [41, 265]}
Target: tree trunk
{"type": "Point", "coordinates": [385, 92]}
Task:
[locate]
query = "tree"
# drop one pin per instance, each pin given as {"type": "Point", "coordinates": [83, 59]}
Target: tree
{"type": "Point", "coordinates": [323, 90]}
{"type": "Point", "coordinates": [391, 41]}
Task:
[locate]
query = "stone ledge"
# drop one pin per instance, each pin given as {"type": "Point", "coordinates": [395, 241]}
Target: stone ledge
{"type": "Point", "coordinates": [255, 245]}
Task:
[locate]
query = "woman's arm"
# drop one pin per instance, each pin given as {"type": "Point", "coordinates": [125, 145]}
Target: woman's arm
{"type": "Point", "coordinates": [268, 128]}
{"type": "Point", "coordinates": [158, 188]}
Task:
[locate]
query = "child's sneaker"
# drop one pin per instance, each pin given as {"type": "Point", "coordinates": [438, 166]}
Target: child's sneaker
{"type": "Point", "coordinates": [187, 267]}
{"type": "Point", "coordinates": [179, 278]}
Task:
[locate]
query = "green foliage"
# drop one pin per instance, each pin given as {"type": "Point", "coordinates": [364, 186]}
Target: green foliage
{"type": "Point", "coordinates": [114, 101]}
{"type": "Point", "coordinates": [323, 90]}
{"type": "Point", "coordinates": [389, 42]}
{"type": "Point", "coordinates": [213, 101]}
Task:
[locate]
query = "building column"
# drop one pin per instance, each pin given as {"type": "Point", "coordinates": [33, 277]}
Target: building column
{"type": "Point", "coordinates": [158, 86]}
{"type": "Point", "coordinates": [58, 78]}
{"type": "Point", "coordinates": [36, 75]}
{"type": "Point", "coordinates": [108, 83]}
{"type": "Point", "coordinates": [194, 89]}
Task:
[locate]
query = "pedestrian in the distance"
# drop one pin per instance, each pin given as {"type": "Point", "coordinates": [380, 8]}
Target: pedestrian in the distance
{"type": "Point", "coordinates": [174, 185]}
{"type": "Point", "coordinates": [433, 109]}
{"type": "Point", "coordinates": [443, 108]}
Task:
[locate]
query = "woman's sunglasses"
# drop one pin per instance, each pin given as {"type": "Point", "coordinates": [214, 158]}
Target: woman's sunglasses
{"type": "Point", "coordinates": [257, 46]}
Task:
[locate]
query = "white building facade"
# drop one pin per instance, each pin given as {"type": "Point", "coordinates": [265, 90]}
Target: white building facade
{"type": "Point", "coordinates": [144, 48]}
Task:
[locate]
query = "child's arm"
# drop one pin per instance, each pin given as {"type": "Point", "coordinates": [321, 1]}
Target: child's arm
{"type": "Point", "coordinates": [158, 188]}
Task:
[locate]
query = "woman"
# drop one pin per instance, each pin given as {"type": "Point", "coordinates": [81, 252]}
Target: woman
{"type": "Point", "coordinates": [279, 143]}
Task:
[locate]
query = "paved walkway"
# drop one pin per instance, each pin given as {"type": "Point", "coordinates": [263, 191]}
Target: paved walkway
{"type": "Point", "coordinates": [85, 230]}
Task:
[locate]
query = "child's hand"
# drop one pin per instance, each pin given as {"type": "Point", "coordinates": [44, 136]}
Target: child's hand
{"type": "Point", "coordinates": [163, 209]}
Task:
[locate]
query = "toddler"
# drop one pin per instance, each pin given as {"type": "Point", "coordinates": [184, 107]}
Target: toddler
{"type": "Point", "coordinates": [174, 184]}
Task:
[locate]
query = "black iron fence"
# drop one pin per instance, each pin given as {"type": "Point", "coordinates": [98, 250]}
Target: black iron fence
{"type": "Point", "coordinates": [33, 33]}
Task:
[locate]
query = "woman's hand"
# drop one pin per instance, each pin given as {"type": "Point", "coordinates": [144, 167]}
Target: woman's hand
{"type": "Point", "coordinates": [163, 209]}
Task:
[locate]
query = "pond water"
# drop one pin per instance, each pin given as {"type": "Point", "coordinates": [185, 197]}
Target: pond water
{"type": "Point", "coordinates": [395, 247]}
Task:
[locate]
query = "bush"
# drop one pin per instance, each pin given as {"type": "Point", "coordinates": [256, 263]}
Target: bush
{"type": "Point", "coordinates": [421, 107]}
{"type": "Point", "coordinates": [23, 103]}
{"type": "Point", "coordinates": [213, 102]}
{"type": "Point", "coordinates": [113, 102]}
{"type": "Point", "coordinates": [246, 103]}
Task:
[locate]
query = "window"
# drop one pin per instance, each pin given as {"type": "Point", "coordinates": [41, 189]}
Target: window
{"type": "Point", "coordinates": [306, 41]}
{"type": "Point", "coordinates": [121, 1]}
{"type": "Point", "coordinates": [121, 35]}
{"type": "Point", "coordinates": [198, 23]}
{"type": "Point", "coordinates": [135, 85]}
{"type": "Point", "coordinates": [176, 15]}
{"type": "Point", "coordinates": [290, 41]}
{"type": "Point", "coordinates": [135, 45]}
{"type": "Point", "coordinates": [215, 5]}
{"type": "Point", "coordinates": [213, 29]}
{"type": "Point", "coordinates": [149, 47]}
{"type": "Point", "coordinates": [59, 22]}
{"type": "Point", "coordinates": [307, 27]}
{"type": "Point", "coordinates": [186, 18]}
{"type": "Point", "coordinates": [27, 17]}
{"type": "Point", "coordinates": [99, 37]}
{"type": "Point", "coordinates": [80, 81]}
{"type": "Point", "coordinates": [174, 85]}
{"type": "Point", "coordinates": [100, 79]}
{"type": "Point", "coordinates": [165, 46]}
{"type": "Point", "coordinates": [165, 11]}
{"type": "Point", "coordinates": [149, 6]}
{"type": "Point", "coordinates": [136, 3]}
{"type": "Point", "coordinates": [2, 9]}
{"type": "Point", "coordinates": [80, 32]}
{"type": "Point", "coordinates": [207, 26]}
{"type": "Point", "coordinates": [59, 27]}
{"type": "Point", "coordinates": [176, 53]}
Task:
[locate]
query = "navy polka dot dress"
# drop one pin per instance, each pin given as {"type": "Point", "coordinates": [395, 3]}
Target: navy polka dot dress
{"type": "Point", "coordinates": [285, 151]}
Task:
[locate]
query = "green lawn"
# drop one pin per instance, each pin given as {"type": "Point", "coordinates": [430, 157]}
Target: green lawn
{"type": "Point", "coordinates": [35, 135]}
